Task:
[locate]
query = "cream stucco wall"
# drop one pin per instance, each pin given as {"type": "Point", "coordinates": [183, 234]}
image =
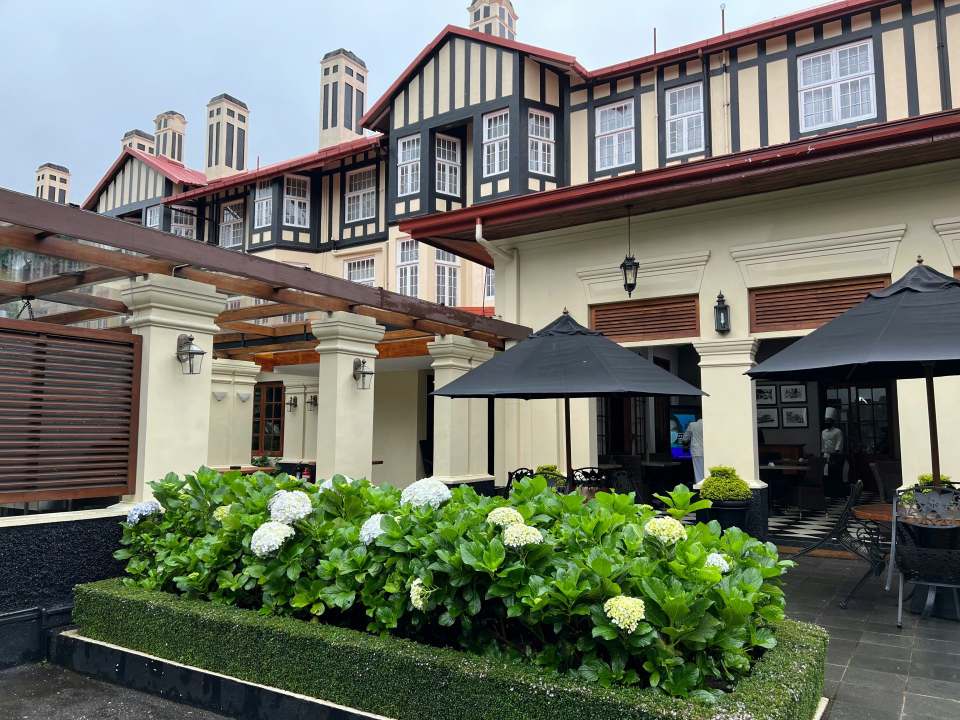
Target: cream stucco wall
{"type": "Point", "coordinates": [396, 410]}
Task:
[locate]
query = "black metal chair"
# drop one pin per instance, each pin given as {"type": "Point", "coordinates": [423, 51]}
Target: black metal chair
{"type": "Point", "coordinates": [888, 478]}
{"type": "Point", "coordinates": [922, 519]}
{"type": "Point", "coordinates": [592, 477]}
{"type": "Point", "coordinates": [863, 538]}
{"type": "Point", "coordinates": [518, 474]}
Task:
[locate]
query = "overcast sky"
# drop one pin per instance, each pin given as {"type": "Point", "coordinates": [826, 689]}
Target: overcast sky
{"type": "Point", "coordinates": [76, 74]}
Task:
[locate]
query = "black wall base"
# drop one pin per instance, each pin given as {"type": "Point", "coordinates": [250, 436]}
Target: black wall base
{"type": "Point", "coordinates": [216, 693]}
{"type": "Point", "coordinates": [758, 514]}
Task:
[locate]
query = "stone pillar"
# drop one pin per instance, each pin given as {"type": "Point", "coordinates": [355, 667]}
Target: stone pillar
{"type": "Point", "coordinates": [174, 429]}
{"type": "Point", "coordinates": [300, 423]}
{"type": "Point", "coordinates": [730, 417]}
{"type": "Point", "coordinates": [231, 412]}
{"type": "Point", "coordinates": [459, 425]}
{"type": "Point", "coordinates": [345, 412]}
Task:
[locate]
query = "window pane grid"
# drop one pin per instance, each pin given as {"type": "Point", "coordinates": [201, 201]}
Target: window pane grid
{"type": "Point", "coordinates": [685, 120]}
{"type": "Point", "coordinates": [496, 143]}
{"type": "Point", "coordinates": [296, 202]}
{"type": "Point", "coordinates": [361, 197]}
{"type": "Point", "coordinates": [540, 149]}
{"type": "Point", "coordinates": [615, 135]}
{"type": "Point", "coordinates": [448, 165]}
{"type": "Point", "coordinates": [360, 271]}
{"type": "Point", "coordinates": [837, 86]}
{"type": "Point", "coordinates": [447, 284]}
{"type": "Point", "coordinates": [231, 225]}
{"type": "Point", "coordinates": [408, 165]}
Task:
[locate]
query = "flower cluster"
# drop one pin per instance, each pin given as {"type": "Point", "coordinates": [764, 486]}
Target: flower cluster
{"type": "Point", "coordinates": [220, 512]}
{"type": "Point", "coordinates": [625, 612]}
{"type": "Point", "coordinates": [371, 530]}
{"type": "Point", "coordinates": [718, 561]}
{"type": "Point", "coordinates": [665, 529]}
{"type": "Point", "coordinates": [419, 594]}
{"type": "Point", "coordinates": [518, 535]}
{"type": "Point", "coordinates": [142, 510]}
{"type": "Point", "coordinates": [425, 492]}
{"type": "Point", "coordinates": [269, 537]}
{"type": "Point", "coordinates": [504, 516]}
{"type": "Point", "coordinates": [288, 506]}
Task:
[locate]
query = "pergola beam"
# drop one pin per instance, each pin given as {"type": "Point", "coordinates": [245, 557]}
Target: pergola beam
{"type": "Point", "coordinates": [75, 316]}
{"type": "Point", "coordinates": [86, 300]}
{"type": "Point", "coordinates": [257, 312]}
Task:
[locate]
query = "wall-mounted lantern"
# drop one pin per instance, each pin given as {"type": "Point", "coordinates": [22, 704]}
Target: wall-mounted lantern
{"type": "Point", "coordinates": [721, 315]}
{"type": "Point", "coordinates": [190, 355]}
{"type": "Point", "coordinates": [312, 402]}
{"type": "Point", "coordinates": [629, 266]}
{"type": "Point", "coordinates": [292, 403]}
{"type": "Point", "coordinates": [363, 376]}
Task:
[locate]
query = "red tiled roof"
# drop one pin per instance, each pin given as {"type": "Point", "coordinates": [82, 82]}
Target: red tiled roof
{"type": "Point", "coordinates": [303, 162]}
{"type": "Point", "coordinates": [177, 172]}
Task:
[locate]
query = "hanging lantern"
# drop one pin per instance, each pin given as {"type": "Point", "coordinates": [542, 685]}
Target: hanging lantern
{"type": "Point", "coordinates": [629, 267]}
{"type": "Point", "coordinates": [190, 355]}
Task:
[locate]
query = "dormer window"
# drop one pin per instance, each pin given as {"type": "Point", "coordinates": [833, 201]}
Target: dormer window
{"type": "Point", "coordinates": [615, 135]}
{"type": "Point", "coordinates": [684, 106]}
{"type": "Point", "coordinates": [836, 86]}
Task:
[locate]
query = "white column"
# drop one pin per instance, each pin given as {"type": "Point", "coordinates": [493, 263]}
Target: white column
{"type": "Point", "coordinates": [459, 425]}
{"type": "Point", "coordinates": [345, 412]}
{"type": "Point", "coordinates": [299, 423]}
{"type": "Point", "coordinates": [231, 411]}
{"type": "Point", "coordinates": [729, 411]}
{"type": "Point", "coordinates": [174, 429]}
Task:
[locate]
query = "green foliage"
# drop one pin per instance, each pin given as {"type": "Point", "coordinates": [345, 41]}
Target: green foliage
{"type": "Point", "coordinates": [723, 483]}
{"type": "Point", "coordinates": [261, 461]}
{"type": "Point", "coordinates": [547, 470]}
{"type": "Point", "coordinates": [927, 479]}
{"type": "Point", "coordinates": [412, 681]}
{"type": "Point", "coordinates": [679, 502]}
{"type": "Point", "coordinates": [541, 603]}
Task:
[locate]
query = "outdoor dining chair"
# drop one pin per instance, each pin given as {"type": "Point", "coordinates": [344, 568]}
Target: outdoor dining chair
{"type": "Point", "coordinates": [888, 478]}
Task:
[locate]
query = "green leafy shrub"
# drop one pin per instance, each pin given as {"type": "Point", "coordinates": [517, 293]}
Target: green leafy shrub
{"type": "Point", "coordinates": [927, 479]}
{"type": "Point", "coordinates": [723, 483]}
{"type": "Point", "coordinates": [679, 502]}
{"type": "Point", "coordinates": [398, 678]}
{"type": "Point", "coordinates": [547, 470]}
{"type": "Point", "coordinates": [448, 572]}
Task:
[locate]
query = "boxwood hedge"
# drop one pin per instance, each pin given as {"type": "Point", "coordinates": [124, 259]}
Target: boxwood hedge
{"type": "Point", "coordinates": [410, 681]}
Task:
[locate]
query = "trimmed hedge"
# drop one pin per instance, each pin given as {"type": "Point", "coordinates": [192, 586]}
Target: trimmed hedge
{"type": "Point", "coordinates": [411, 681]}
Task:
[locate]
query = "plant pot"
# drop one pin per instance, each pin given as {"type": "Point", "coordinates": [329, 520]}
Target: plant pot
{"type": "Point", "coordinates": [730, 513]}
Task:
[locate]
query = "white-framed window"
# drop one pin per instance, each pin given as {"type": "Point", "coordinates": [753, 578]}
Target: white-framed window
{"type": "Point", "coordinates": [263, 207]}
{"type": "Point", "coordinates": [448, 278]}
{"type": "Point", "coordinates": [448, 165]}
{"type": "Point", "coordinates": [540, 151]}
{"type": "Point", "coordinates": [614, 135]}
{"type": "Point", "coordinates": [183, 223]}
{"type": "Point", "coordinates": [408, 268]}
{"type": "Point", "coordinates": [296, 201]}
{"type": "Point", "coordinates": [152, 217]}
{"type": "Point", "coordinates": [684, 106]}
{"type": "Point", "coordinates": [360, 271]}
{"type": "Point", "coordinates": [489, 283]}
{"type": "Point", "coordinates": [836, 86]}
{"type": "Point", "coordinates": [361, 197]}
{"type": "Point", "coordinates": [408, 165]}
{"type": "Point", "coordinates": [496, 143]}
{"type": "Point", "coordinates": [231, 224]}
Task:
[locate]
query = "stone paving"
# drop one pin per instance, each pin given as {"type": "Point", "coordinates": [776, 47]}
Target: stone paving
{"type": "Point", "coordinates": [874, 670]}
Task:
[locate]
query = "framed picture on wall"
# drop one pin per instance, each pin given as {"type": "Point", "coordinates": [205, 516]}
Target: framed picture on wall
{"type": "Point", "coordinates": [793, 393]}
{"type": "Point", "coordinates": [794, 417]}
{"type": "Point", "coordinates": [768, 418]}
{"type": "Point", "coordinates": [766, 394]}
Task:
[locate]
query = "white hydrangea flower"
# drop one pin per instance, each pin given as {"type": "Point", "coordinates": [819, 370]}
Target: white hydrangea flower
{"type": "Point", "coordinates": [718, 561]}
{"type": "Point", "coordinates": [288, 506]}
{"type": "Point", "coordinates": [220, 512]}
{"type": "Point", "coordinates": [625, 612]}
{"type": "Point", "coordinates": [371, 530]}
{"type": "Point", "coordinates": [328, 483]}
{"type": "Point", "coordinates": [666, 529]}
{"type": "Point", "coordinates": [518, 535]}
{"type": "Point", "coordinates": [425, 492]}
{"type": "Point", "coordinates": [419, 594]}
{"type": "Point", "coordinates": [269, 537]}
{"type": "Point", "coordinates": [503, 516]}
{"type": "Point", "coordinates": [143, 510]}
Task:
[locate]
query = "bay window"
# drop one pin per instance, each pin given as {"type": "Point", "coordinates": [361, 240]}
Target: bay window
{"type": "Point", "coordinates": [361, 197]}
{"type": "Point", "coordinates": [448, 165]}
{"type": "Point", "coordinates": [152, 217]}
{"type": "Point", "coordinates": [408, 165]}
{"type": "Point", "coordinates": [263, 207]}
{"type": "Point", "coordinates": [541, 139]}
{"type": "Point", "coordinates": [296, 201]}
{"type": "Point", "coordinates": [496, 143]}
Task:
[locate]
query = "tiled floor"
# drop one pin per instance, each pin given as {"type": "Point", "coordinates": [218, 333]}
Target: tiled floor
{"type": "Point", "coordinates": [788, 526]}
{"type": "Point", "coordinates": [874, 670]}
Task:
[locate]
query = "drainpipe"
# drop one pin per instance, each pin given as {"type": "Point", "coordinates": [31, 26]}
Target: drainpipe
{"type": "Point", "coordinates": [511, 256]}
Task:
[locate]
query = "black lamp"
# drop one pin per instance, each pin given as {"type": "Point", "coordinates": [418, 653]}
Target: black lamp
{"type": "Point", "coordinates": [629, 266]}
{"type": "Point", "coordinates": [189, 354]}
{"type": "Point", "coordinates": [721, 315]}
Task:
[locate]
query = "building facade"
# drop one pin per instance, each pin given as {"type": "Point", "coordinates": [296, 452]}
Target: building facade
{"type": "Point", "coordinates": [53, 183]}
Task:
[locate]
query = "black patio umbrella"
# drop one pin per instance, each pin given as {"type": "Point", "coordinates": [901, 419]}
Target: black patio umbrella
{"type": "Point", "coordinates": [566, 360]}
{"type": "Point", "coordinates": [910, 329]}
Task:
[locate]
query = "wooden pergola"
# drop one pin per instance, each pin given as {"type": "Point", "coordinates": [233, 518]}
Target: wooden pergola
{"type": "Point", "coordinates": [111, 249]}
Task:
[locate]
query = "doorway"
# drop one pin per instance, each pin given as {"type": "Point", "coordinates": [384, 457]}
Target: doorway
{"type": "Point", "coordinates": [268, 405]}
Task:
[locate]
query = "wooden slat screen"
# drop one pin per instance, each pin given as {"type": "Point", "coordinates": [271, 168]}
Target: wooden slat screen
{"type": "Point", "coordinates": [651, 319]}
{"type": "Point", "coordinates": [69, 401]}
{"type": "Point", "coordinates": [808, 305]}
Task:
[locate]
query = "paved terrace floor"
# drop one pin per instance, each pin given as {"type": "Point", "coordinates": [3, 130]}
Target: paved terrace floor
{"type": "Point", "coordinates": [874, 671]}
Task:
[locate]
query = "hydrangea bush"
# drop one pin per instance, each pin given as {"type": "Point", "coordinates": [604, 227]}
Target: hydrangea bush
{"type": "Point", "coordinates": [603, 590]}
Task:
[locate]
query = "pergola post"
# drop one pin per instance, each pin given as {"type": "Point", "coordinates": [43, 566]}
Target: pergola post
{"type": "Point", "coordinates": [344, 408]}
{"type": "Point", "coordinates": [174, 408]}
{"type": "Point", "coordinates": [231, 411]}
{"type": "Point", "coordinates": [459, 425]}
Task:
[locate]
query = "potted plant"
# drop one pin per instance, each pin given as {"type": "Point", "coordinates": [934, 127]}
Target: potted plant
{"type": "Point", "coordinates": [730, 496]}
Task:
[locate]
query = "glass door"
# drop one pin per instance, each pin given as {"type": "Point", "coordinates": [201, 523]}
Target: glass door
{"type": "Point", "coordinates": [268, 409]}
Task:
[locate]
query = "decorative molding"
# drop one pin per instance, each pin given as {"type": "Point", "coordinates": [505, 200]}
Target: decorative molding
{"type": "Point", "coordinates": [727, 353]}
{"type": "Point", "coordinates": [244, 396]}
{"type": "Point", "coordinates": [853, 253]}
{"type": "Point", "coordinates": [949, 231]}
{"type": "Point", "coordinates": [219, 395]}
{"type": "Point", "coordinates": [664, 276]}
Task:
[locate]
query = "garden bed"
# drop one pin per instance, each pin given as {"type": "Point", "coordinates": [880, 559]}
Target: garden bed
{"type": "Point", "coordinates": [407, 680]}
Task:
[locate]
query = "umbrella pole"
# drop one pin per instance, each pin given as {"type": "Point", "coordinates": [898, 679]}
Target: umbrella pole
{"type": "Point", "coordinates": [566, 435]}
{"type": "Point", "coordinates": [932, 419]}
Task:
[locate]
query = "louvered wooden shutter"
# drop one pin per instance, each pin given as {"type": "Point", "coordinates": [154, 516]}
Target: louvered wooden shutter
{"type": "Point", "coordinates": [69, 400]}
{"type": "Point", "coordinates": [651, 319]}
{"type": "Point", "coordinates": [808, 305]}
